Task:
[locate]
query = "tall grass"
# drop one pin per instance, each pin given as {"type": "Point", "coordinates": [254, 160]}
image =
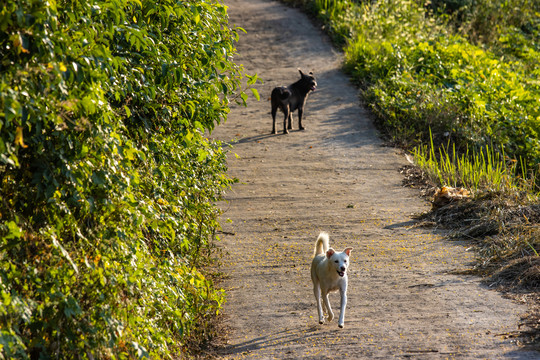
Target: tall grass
{"type": "Point", "coordinates": [335, 15]}
{"type": "Point", "coordinates": [483, 169]}
{"type": "Point", "coordinates": [335, 6]}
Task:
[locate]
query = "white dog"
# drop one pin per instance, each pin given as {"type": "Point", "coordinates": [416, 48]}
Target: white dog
{"type": "Point", "coordinates": [329, 273]}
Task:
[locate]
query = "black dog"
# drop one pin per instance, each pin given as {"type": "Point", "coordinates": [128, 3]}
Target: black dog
{"type": "Point", "coordinates": [292, 97]}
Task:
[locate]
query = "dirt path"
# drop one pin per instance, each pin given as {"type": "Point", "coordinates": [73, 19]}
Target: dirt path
{"type": "Point", "coordinates": [338, 177]}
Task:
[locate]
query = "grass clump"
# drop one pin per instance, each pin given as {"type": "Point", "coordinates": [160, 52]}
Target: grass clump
{"type": "Point", "coordinates": [479, 170]}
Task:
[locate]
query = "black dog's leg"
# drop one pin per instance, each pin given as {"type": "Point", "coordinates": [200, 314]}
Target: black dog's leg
{"type": "Point", "coordinates": [300, 112]}
{"type": "Point", "coordinates": [274, 110]}
{"type": "Point", "coordinates": [286, 113]}
{"type": "Point", "coordinates": [290, 121]}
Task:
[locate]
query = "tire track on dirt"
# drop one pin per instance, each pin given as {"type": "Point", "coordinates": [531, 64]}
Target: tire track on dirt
{"type": "Point", "coordinates": [337, 177]}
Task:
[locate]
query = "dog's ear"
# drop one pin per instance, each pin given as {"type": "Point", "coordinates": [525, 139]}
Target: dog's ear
{"type": "Point", "coordinates": [301, 73]}
{"type": "Point", "coordinates": [311, 73]}
{"type": "Point", "coordinates": [348, 251]}
{"type": "Point", "coordinates": [330, 252]}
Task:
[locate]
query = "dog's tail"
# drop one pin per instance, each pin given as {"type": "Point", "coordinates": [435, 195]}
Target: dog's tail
{"type": "Point", "coordinates": [321, 246]}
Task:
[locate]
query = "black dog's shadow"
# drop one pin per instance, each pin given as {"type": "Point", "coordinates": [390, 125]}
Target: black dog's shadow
{"type": "Point", "coordinates": [255, 138]}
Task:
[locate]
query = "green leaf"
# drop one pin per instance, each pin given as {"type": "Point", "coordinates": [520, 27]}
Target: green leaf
{"type": "Point", "coordinates": [14, 231]}
{"type": "Point", "coordinates": [255, 93]}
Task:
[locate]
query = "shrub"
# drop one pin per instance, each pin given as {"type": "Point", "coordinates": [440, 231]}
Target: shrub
{"type": "Point", "coordinates": [106, 178]}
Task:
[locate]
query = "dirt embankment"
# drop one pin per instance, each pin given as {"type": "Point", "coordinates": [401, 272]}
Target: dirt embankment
{"type": "Point", "coordinates": [336, 176]}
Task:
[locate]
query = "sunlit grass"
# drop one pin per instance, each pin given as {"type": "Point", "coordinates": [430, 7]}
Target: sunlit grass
{"type": "Point", "coordinates": [332, 6]}
{"type": "Point", "coordinates": [483, 169]}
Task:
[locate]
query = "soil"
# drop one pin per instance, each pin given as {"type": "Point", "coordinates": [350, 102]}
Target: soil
{"type": "Point", "coordinates": [405, 300]}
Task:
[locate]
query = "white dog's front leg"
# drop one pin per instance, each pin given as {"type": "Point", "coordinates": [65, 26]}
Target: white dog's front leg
{"type": "Point", "coordinates": [317, 293]}
{"type": "Point", "coordinates": [327, 306]}
{"type": "Point", "coordinates": [343, 293]}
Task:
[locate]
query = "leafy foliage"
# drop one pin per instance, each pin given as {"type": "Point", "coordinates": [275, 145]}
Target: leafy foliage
{"type": "Point", "coordinates": [106, 179]}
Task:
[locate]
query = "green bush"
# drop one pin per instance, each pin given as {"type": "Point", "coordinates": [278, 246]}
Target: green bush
{"type": "Point", "coordinates": [106, 179]}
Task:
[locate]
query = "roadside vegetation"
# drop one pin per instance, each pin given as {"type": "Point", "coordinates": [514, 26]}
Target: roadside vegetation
{"type": "Point", "coordinates": [456, 83]}
{"type": "Point", "coordinates": [107, 182]}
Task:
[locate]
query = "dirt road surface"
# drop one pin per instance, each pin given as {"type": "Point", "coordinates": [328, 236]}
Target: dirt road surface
{"type": "Point", "coordinates": [336, 176]}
